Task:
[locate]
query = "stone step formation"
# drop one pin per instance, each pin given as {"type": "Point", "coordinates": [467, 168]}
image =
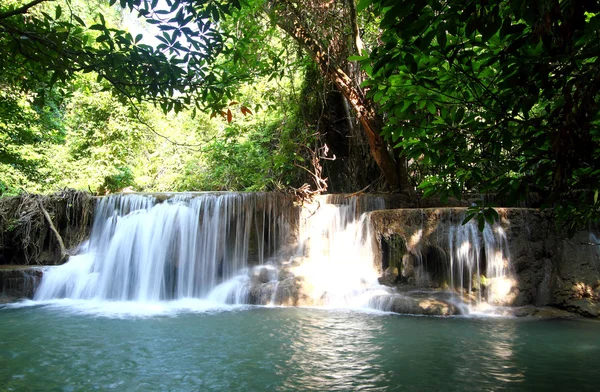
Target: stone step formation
{"type": "Point", "coordinates": [338, 251]}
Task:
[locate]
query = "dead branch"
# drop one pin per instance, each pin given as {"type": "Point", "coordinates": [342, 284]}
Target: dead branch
{"type": "Point", "coordinates": [305, 193]}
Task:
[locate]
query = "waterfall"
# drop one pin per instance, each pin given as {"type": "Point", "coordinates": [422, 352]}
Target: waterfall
{"type": "Point", "coordinates": [257, 248]}
{"type": "Point", "coordinates": [468, 259]}
{"type": "Point", "coordinates": [440, 253]}
{"type": "Point", "coordinates": [143, 249]}
{"type": "Point", "coordinates": [336, 251]}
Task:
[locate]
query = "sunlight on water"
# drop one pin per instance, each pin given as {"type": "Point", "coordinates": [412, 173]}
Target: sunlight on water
{"type": "Point", "coordinates": [337, 268]}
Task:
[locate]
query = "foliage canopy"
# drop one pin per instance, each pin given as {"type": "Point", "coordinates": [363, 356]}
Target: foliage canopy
{"type": "Point", "coordinates": [494, 97]}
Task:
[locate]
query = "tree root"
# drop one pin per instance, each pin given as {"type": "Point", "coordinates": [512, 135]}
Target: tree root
{"type": "Point", "coordinates": [40, 229]}
{"type": "Point", "coordinates": [305, 193]}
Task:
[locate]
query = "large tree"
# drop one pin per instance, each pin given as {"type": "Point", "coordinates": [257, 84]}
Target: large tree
{"type": "Point", "coordinates": [323, 29]}
{"type": "Point", "coordinates": [45, 41]}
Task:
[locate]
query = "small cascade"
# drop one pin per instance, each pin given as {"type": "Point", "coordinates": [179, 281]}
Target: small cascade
{"type": "Point", "coordinates": [141, 249]}
{"type": "Point", "coordinates": [331, 266]}
{"type": "Point", "coordinates": [435, 252]}
{"type": "Point", "coordinates": [478, 260]}
{"type": "Point", "coordinates": [336, 249]}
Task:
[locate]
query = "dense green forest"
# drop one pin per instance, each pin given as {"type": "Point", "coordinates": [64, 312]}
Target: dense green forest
{"type": "Point", "coordinates": [428, 98]}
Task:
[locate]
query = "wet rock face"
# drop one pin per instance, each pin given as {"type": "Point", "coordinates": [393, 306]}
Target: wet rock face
{"type": "Point", "coordinates": [17, 283]}
{"type": "Point", "coordinates": [545, 268]}
{"type": "Point", "coordinates": [432, 249]}
{"type": "Point", "coordinates": [418, 303]}
{"type": "Point", "coordinates": [426, 306]}
{"type": "Point", "coordinates": [575, 285]}
{"type": "Point", "coordinates": [553, 270]}
{"type": "Point", "coordinates": [289, 291]}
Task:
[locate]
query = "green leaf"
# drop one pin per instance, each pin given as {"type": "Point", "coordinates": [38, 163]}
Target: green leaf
{"type": "Point", "coordinates": [363, 4]}
{"type": "Point", "coordinates": [79, 20]}
{"type": "Point", "coordinates": [489, 216]}
{"type": "Point", "coordinates": [410, 62]}
{"type": "Point", "coordinates": [357, 58]}
{"type": "Point", "coordinates": [460, 113]}
{"type": "Point", "coordinates": [431, 107]}
{"type": "Point", "coordinates": [468, 217]}
{"type": "Point", "coordinates": [480, 222]}
{"type": "Point", "coordinates": [441, 36]}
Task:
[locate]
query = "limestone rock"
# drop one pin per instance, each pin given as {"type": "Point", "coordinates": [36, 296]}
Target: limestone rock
{"type": "Point", "coordinates": [546, 268]}
{"type": "Point", "coordinates": [17, 282]}
{"type": "Point", "coordinates": [546, 312]}
{"type": "Point", "coordinates": [423, 306]}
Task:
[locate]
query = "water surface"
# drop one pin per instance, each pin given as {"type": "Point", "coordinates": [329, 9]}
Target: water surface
{"type": "Point", "coordinates": [65, 348]}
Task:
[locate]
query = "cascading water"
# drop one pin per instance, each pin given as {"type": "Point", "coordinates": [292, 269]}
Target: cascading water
{"type": "Point", "coordinates": [143, 250]}
{"type": "Point", "coordinates": [467, 257]}
{"type": "Point", "coordinates": [331, 266]}
{"type": "Point", "coordinates": [443, 258]}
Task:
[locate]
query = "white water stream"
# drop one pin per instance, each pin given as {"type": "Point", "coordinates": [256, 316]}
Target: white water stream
{"type": "Point", "coordinates": [143, 250]}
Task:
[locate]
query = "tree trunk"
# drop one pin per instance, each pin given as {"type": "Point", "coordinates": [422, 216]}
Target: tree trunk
{"type": "Point", "coordinates": [370, 121]}
{"type": "Point", "coordinates": [370, 124]}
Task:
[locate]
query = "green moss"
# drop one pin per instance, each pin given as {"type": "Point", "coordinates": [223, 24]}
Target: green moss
{"type": "Point", "coordinates": [483, 280]}
{"type": "Point", "coordinates": [396, 251]}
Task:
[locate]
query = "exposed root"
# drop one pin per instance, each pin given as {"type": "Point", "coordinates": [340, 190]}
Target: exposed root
{"type": "Point", "coordinates": [38, 229]}
{"type": "Point", "coordinates": [357, 193]}
{"type": "Point", "coordinates": [306, 193]}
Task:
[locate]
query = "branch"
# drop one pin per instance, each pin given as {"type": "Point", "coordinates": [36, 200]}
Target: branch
{"type": "Point", "coordinates": [137, 115]}
{"type": "Point", "coordinates": [21, 10]}
{"type": "Point", "coordinates": [358, 43]}
{"type": "Point", "coordinates": [63, 251]}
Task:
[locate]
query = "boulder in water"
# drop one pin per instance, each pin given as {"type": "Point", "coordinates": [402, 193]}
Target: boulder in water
{"type": "Point", "coordinates": [390, 276]}
{"type": "Point", "coordinates": [264, 275]}
{"type": "Point", "coordinates": [423, 306]}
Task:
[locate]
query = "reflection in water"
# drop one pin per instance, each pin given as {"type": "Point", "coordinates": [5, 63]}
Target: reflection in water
{"type": "Point", "coordinates": [489, 355]}
{"type": "Point", "coordinates": [502, 364]}
{"type": "Point", "coordinates": [333, 352]}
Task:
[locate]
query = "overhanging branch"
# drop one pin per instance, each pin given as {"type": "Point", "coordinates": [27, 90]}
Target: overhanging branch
{"type": "Point", "coordinates": [21, 10]}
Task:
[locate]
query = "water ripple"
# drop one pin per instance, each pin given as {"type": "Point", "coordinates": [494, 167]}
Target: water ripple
{"type": "Point", "coordinates": [279, 349]}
